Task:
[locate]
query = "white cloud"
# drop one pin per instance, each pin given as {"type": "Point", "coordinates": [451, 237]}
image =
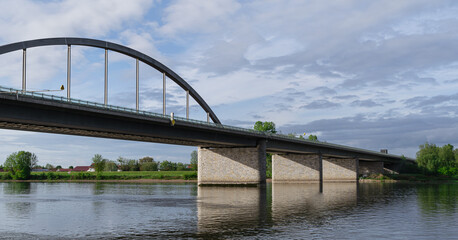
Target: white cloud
{"type": "Point", "coordinates": [197, 16]}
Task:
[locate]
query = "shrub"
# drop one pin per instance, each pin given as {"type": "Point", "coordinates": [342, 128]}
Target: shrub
{"type": "Point", "coordinates": [190, 176]}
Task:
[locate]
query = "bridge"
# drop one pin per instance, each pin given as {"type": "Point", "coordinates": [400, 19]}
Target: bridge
{"type": "Point", "coordinates": [226, 154]}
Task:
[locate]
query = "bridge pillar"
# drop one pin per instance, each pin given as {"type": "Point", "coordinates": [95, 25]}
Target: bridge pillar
{"type": "Point", "coordinates": [367, 168]}
{"type": "Point", "coordinates": [296, 168]}
{"type": "Point", "coordinates": [245, 165]}
{"type": "Point", "coordinates": [340, 169]}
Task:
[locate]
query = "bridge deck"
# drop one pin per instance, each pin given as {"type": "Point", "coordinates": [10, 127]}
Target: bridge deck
{"type": "Point", "coordinates": [52, 114]}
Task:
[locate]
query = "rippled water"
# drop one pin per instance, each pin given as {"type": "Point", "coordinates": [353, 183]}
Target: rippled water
{"type": "Point", "coordinates": [277, 211]}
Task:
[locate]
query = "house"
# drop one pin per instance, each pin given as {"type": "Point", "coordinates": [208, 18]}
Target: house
{"type": "Point", "coordinates": [64, 170]}
{"type": "Point", "coordinates": [40, 170]}
{"type": "Point", "coordinates": [81, 169]}
{"type": "Point", "coordinates": [1, 170]}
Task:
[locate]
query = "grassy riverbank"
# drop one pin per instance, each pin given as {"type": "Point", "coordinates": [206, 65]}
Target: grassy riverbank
{"type": "Point", "coordinates": [412, 177]}
{"type": "Point", "coordinates": [134, 175]}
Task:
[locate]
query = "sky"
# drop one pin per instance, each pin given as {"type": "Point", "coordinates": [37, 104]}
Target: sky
{"type": "Point", "coordinates": [367, 74]}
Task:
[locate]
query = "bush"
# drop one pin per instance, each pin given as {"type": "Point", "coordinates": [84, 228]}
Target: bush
{"type": "Point", "coordinates": [190, 176]}
{"type": "Point", "coordinates": [6, 176]}
{"type": "Point", "coordinates": [448, 171]}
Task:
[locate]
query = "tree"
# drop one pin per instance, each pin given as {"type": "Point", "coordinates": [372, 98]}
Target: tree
{"type": "Point", "coordinates": [167, 166]}
{"type": "Point", "coordinates": [434, 159]}
{"type": "Point", "coordinates": [20, 164]}
{"type": "Point", "coordinates": [446, 156]}
{"type": "Point", "coordinates": [110, 166]}
{"type": "Point", "coordinates": [146, 159]}
{"type": "Point", "coordinates": [149, 166]}
{"type": "Point", "coordinates": [71, 167]}
{"type": "Point", "coordinates": [268, 127]}
{"type": "Point", "coordinates": [313, 138]}
{"type": "Point", "coordinates": [194, 160]}
{"type": "Point", "coordinates": [99, 163]}
{"type": "Point", "coordinates": [49, 166]}
{"type": "Point", "coordinates": [58, 167]}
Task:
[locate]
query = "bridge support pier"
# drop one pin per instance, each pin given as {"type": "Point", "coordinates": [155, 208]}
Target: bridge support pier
{"type": "Point", "coordinates": [226, 166]}
{"type": "Point", "coordinates": [367, 168]}
{"type": "Point", "coordinates": [313, 168]}
{"type": "Point", "coordinates": [296, 168]}
{"type": "Point", "coordinates": [340, 169]}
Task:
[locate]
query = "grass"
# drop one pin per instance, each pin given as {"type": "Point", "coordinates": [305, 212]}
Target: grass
{"type": "Point", "coordinates": [166, 175]}
{"type": "Point", "coordinates": [413, 177]}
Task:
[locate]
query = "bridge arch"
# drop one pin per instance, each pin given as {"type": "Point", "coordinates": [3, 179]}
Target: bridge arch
{"type": "Point", "coordinates": [116, 48]}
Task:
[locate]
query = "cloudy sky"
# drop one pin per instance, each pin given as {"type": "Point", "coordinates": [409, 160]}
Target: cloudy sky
{"type": "Point", "coordinates": [368, 74]}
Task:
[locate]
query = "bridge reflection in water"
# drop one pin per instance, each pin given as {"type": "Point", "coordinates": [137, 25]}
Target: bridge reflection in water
{"type": "Point", "coordinates": [227, 210]}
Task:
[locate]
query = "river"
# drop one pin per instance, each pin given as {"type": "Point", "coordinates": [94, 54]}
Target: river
{"type": "Point", "coordinates": [277, 211]}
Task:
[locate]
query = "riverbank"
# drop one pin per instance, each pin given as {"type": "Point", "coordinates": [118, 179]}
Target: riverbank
{"type": "Point", "coordinates": [108, 176]}
{"type": "Point", "coordinates": [409, 178]}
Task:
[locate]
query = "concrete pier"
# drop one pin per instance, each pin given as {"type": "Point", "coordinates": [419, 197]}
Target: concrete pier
{"type": "Point", "coordinates": [340, 169]}
{"type": "Point", "coordinates": [232, 165]}
{"type": "Point", "coordinates": [367, 168]}
{"type": "Point", "coordinates": [295, 168]}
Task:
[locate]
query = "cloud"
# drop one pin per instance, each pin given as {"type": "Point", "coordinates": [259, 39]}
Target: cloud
{"type": "Point", "coordinates": [376, 133]}
{"type": "Point", "coordinates": [201, 17]}
{"type": "Point", "coordinates": [321, 104]}
{"type": "Point", "coordinates": [365, 103]}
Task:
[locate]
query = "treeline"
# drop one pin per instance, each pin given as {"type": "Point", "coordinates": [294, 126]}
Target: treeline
{"type": "Point", "coordinates": [432, 159]}
{"type": "Point", "coordinates": [143, 164]}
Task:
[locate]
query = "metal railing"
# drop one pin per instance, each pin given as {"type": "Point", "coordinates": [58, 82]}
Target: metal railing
{"type": "Point", "coordinates": [36, 95]}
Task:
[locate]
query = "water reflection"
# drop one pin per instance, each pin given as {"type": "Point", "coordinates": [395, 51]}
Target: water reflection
{"type": "Point", "coordinates": [434, 199]}
{"type": "Point", "coordinates": [224, 211]}
{"type": "Point", "coordinates": [307, 202]}
{"type": "Point", "coordinates": [17, 199]}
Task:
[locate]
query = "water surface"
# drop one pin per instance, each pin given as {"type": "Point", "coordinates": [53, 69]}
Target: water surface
{"type": "Point", "coordinates": [162, 210]}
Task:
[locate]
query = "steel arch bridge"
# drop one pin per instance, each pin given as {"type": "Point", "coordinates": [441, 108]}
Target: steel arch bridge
{"type": "Point", "coordinates": [109, 46]}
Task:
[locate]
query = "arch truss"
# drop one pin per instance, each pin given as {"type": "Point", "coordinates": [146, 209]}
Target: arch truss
{"type": "Point", "coordinates": [109, 46]}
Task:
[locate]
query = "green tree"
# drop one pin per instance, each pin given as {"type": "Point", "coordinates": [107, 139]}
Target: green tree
{"type": "Point", "coordinates": [446, 156]}
{"type": "Point", "coordinates": [58, 167]}
{"type": "Point", "coordinates": [313, 138]}
{"type": "Point", "coordinates": [194, 158]}
{"type": "Point", "coordinates": [49, 166]}
{"type": "Point", "coordinates": [146, 159]}
{"type": "Point", "coordinates": [149, 166]}
{"type": "Point", "coordinates": [428, 157]}
{"type": "Point", "coordinates": [110, 166]}
{"type": "Point", "coordinates": [167, 166]}
{"type": "Point", "coordinates": [20, 164]}
{"type": "Point", "coordinates": [268, 127]}
{"type": "Point", "coordinates": [133, 165]}
{"type": "Point", "coordinates": [180, 166]}
{"type": "Point", "coordinates": [71, 167]}
{"type": "Point", "coordinates": [99, 163]}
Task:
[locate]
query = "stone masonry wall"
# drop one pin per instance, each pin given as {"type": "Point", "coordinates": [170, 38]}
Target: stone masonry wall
{"type": "Point", "coordinates": [337, 169]}
{"type": "Point", "coordinates": [368, 168]}
{"type": "Point", "coordinates": [230, 166]}
{"type": "Point", "coordinates": [295, 168]}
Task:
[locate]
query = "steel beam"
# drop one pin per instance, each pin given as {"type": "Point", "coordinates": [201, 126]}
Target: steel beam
{"type": "Point", "coordinates": [137, 86]}
{"type": "Point", "coordinates": [187, 104]}
{"type": "Point", "coordinates": [24, 60]}
{"type": "Point", "coordinates": [106, 78]}
{"type": "Point", "coordinates": [69, 70]}
{"type": "Point", "coordinates": [164, 85]}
